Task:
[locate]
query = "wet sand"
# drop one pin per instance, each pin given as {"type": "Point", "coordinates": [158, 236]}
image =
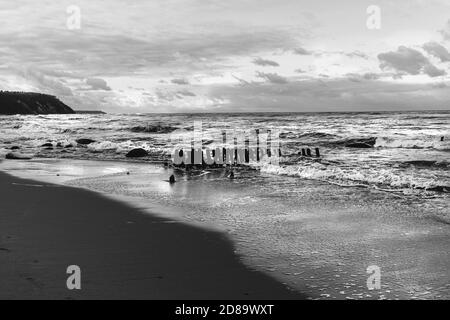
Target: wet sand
{"type": "Point", "coordinates": [123, 253]}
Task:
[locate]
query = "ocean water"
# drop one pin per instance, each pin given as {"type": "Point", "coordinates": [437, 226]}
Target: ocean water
{"type": "Point", "coordinates": [408, 155]}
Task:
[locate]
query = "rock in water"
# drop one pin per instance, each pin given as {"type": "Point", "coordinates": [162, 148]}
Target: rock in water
{"type": "Point", "coordinates": [137, 153]}
{"type": "Point", "coordinates": [85, 141]}
{"type": "Point", "coordinates": [48, 144]}
{"type": "Point", "coordinates": [18, 156]}
{"type": "Point", "coordinates": [361, 143]}
{"type": "Point", "coordinates": [31, 103]}
{"type": "Point", "coordinates": [172, 179]}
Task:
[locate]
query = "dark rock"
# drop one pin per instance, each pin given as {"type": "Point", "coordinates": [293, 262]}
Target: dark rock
{"type": "Point", "coordinates": [361, 143]}
{"type": "Point", "coordinates": [48, 144]}
{"type": "Point", "coordinates": [85, 141]}
{"type": "Point", "coordinates": [158, 128]}
{"type": "Point", "coordinates": [17, 156]}
{"type": "Point", "coordinates": [69, 146]}
{"type": "Point", "coordinates": [15, 148]}
{"type": "Point", "coordinates": [137, 153]}
{"type": "Point", "coordinates": [172, 179]}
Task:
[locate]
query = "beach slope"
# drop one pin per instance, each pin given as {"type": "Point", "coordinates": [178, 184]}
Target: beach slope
{"type": "Point", "coordinates": [123, 253]}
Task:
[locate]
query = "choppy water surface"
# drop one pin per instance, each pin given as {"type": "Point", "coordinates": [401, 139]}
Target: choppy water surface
{"type": "Point", "coordinates": [411, 151]}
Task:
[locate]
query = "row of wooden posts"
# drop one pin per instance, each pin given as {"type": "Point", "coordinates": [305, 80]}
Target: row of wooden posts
{"type": "Point", "coordinates": [241, 156]}
{"type": "Point", "coordinates": [221, 156]}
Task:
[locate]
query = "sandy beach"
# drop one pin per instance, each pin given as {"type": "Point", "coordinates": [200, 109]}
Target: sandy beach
{"type": "Point", "coordinates": [137, 236]}
{"type": "Point", "coordinates": [122, 252]}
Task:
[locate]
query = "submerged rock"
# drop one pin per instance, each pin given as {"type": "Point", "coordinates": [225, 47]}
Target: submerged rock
{"type": "Point", "coordinates": [85, 141]}
{"type": "Point", "coordinates": [18, 156]}
{"type": "Point", "coordinates": [137, 153]}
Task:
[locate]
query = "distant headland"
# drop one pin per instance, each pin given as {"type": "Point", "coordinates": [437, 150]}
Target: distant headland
{"type": "Point", "coordinates": [90, 112]}
{"type": "Point", "coordinates": [14, 102]}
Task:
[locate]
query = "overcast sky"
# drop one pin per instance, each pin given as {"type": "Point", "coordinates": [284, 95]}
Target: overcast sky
{"type": "Point", "coordinates": [233, 55]}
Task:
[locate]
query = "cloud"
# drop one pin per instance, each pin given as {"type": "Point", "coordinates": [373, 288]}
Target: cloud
{"type": "Point", "coordinates": [409, 61]}
{"type": "Point", "coordinates": [371, 76]}
{"type": "Point", "coordinates": [97, 84]}
{"type": "Point", "coordinates": [302, 51]}
{"type": "Point", "coordinates": [432, 71]}
{"type": "Point", "coordinates": [357, 54]}
{"type": "Point", "coordinates": [440, 85]}
{"type": "Point", "coordinates": [264, 62]}
{"type": "Point", "coordinates": [437, 50]}
{"type": "Point", "coordinates": [446, 31]}
{"type": "Point", "coordinates": [186, 93]}
{"type": "Point", "coordinates": [332, 95]}
{"type": "Point", "coordinates": [272, 77]}
{"type": "Point", "coordinates": [44, 81]}
{"type": "Point", "coordinates": [180, 81]}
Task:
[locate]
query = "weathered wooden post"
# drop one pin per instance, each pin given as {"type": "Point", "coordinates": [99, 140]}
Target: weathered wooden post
{"type": "Point", "coordinates": [308, 152]}
{"type": "Point", "coordinates": [247, 150]}
{"type": "Point", "coordinates": [317, 153]}
{"type": "Point", "coordinates": [224, 151]}
{"type": "Point", "coordinates": [257, 145]}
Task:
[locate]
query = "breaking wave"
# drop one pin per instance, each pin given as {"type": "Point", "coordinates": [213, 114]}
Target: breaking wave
{"type": "Point", "coordinates": [384, 178]}
{"type": "Point", "coordinates": [431, 142]}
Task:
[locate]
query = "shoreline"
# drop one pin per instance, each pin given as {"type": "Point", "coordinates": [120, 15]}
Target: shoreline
{"type": "Point", "coordinates": [123, 252]}
{"type": "Point", "coordinates": [318, 239]}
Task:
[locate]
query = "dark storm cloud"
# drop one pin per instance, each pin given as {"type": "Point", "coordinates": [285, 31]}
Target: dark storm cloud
{"type": "Point", "coordinates": [408, 61]}
{"type": "Point", "coordinates": [437, 50]}
{"type": "Point", "coordinates": [265, 62]}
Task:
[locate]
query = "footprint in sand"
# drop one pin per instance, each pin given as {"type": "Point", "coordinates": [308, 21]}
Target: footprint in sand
{"type": "Point", "coordinates": [34, 282]}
